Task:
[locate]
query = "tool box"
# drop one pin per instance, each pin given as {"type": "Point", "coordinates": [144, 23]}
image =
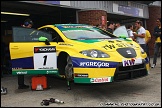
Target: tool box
{"type": "Point", "coordinates": [39, 82]}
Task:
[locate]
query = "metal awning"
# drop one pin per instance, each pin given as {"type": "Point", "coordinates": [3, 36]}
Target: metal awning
{"type": "Point", "coordinates": [144, 2]}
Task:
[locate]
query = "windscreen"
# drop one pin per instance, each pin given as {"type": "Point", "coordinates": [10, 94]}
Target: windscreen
{"type": "Point", "coordinates": [83, 32]}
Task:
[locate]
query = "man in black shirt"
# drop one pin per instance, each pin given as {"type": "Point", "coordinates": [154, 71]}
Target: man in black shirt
{"type": "Point", "coordinates": [27, 24]}
{"type": "Point", "coordinates": [157, 34]}
{"type": "Point", "coordinates": [111, 26]}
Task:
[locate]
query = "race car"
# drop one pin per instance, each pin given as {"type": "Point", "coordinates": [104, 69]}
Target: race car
{"type": "Point", "coordinates": [77, 52]}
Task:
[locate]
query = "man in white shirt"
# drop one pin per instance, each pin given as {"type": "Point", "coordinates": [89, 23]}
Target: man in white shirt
{"type": "Point", "coordinates": [140, 35]}
{"type": "Point", "coordinates": [129, 28]}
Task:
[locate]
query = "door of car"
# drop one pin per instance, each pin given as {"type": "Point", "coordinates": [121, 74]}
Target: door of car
{"type": "Point", "coordinates": [29, 55]}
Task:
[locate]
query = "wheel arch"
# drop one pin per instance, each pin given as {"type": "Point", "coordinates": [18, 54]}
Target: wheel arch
{"type": "Point", "coordinates": [61, 62]}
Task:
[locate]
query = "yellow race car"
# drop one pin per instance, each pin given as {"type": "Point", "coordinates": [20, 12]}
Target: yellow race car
{"type": "Point", "coordinates": [78, 52]}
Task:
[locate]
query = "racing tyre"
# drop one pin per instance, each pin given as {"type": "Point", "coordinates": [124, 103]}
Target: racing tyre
{"type": "Point", "coordinates": [69, 74]}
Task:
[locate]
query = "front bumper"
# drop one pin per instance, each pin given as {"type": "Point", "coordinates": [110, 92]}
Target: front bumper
{"type": "Point", "coordinates": [104, 75]}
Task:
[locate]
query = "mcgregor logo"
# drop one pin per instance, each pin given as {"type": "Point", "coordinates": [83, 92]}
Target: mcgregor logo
{"type": "Point", "coordinates": [95, 64]}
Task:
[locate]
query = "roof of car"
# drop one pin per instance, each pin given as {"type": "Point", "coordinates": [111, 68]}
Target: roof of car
{"type": "Point", "coordinates": [71, 25]}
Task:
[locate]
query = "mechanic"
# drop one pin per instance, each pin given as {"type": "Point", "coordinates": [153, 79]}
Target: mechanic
{"type": "Point", "coordinates": [28, 23]}
{"type": "Point", "coordinates": [157, 34]}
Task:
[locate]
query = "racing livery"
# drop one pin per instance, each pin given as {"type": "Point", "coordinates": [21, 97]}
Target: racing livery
{"type": "Point", "coordinates": [78, 52]}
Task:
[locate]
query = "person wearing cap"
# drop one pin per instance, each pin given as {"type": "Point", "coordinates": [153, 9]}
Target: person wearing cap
{"type": "Point", "coordinates": [28, 23]}
{"type": "Point", "coordinates": [157, 35]}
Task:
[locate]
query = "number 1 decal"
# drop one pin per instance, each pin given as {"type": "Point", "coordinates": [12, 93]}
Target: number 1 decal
{"type": "Point", "coordinates": [45, 58]}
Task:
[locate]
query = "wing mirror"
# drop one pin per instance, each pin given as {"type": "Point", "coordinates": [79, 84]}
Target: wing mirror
{"type": "Point", "coordinates": [123, 36]}
{"type": "Point", "coordinates": [44, 39]}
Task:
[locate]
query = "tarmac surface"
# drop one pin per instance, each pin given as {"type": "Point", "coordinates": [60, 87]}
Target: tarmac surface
{"type": "Point", "coordinates": [141, 92]}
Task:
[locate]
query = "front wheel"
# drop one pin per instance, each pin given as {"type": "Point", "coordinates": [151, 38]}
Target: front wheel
{"type": "Point", "coordinates": [69, 74]}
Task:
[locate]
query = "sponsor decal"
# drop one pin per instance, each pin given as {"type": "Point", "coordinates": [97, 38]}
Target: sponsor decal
{"type": "Point", "coordinates": [21, 72]}
{"type": "Point", "coordinates": [17, 68]}
{"type": "Point", "coordinates": [100, 80]}
{"type": "Point", "coordinates": [123, 44]}
{"type": "Point", "coordinates": [128, 62]}
{"type": "Point", "coordinates": [51, 72]}
{"type": "Point", "coordinates": [77, 26]}
{"type": "Point", "coordinates": [109, 46]}
{"type": "Point", "coordinates": [36, 49]}
{"type": "Point", "coordinates": [95, 64]}
{"type": "Point", "coordinates": [80, 75]}
{"type": "Point", "coordinates": [46, 68]}
{"type": "Point", "coordinates": [131, 62]}
{"type": "Point", "coordinates": [88, 63]}
{"type": "Point", "coordinates": [33, 72]}
{"type": "Point", "coordinates": [44, 49]}
{"type": "Point", "coordinates": [65, 44]}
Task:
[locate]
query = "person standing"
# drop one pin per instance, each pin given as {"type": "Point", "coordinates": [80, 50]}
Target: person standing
{"type": "Point", "coordinates": [140, 35]}
{"type": "Point", "coordinates": [117, 24]}
{"type": "Point", "coordinates": [147, 40]}
{"type": "Point", "coordinates": [111, 26]}
{"type": "Point", "coordinates": [28, 23]}
{"type": "Point", "coordinates": [157, 34]}
{"type": "Point", "coordinates": [129, 28]}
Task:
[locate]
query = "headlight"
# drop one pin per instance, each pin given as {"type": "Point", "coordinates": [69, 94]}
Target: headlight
{"type": "Point", "coordinates": [142, 51]}
{"type": "Point", "coordinates": [95, 53]}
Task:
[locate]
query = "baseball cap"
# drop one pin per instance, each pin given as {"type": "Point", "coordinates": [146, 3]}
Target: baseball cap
{"type": "Point", "coordinates": [28, 21]}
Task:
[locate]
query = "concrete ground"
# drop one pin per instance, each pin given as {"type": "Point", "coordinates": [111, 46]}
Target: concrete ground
{"type": "Point", "coordinates": [141, 92]}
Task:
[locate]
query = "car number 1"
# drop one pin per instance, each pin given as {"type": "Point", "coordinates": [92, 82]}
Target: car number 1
{"type": "Point", "coordinates": [45, 57]}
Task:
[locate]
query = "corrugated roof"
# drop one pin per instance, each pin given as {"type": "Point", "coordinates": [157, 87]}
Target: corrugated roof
{"type": "Point", "coordinates": [144, 2]}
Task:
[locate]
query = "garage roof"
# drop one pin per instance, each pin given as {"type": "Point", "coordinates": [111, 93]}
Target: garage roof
{"type": "Point", "coordinates": [144, 2]}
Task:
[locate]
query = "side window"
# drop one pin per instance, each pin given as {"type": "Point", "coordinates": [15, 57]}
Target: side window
{"type": "Point", "coordinates": [21, 34]}
{"type": "Point", "coordinates": [55, 36]}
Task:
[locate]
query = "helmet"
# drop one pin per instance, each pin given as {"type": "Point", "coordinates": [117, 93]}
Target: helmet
{"type": "Point", "coordinates": [28, 21]}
